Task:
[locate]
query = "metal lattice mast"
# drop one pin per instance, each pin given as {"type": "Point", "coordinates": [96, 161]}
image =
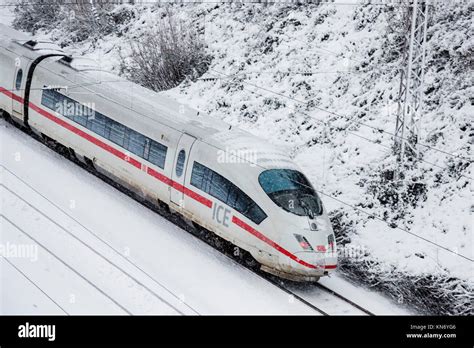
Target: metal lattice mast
{"type": "Point", "coordinates": [410, 101]}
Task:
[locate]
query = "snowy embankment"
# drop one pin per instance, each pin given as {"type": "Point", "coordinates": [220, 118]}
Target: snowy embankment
{"type": "Point", "coordinates": [323, 81]}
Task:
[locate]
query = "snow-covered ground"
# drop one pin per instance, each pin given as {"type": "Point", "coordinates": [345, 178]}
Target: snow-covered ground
{"type": "Point", "coordinates": [261, 57]}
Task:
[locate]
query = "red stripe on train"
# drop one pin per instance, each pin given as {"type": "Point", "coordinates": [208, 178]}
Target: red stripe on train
{"type": "Point", "coordinates": [87, 136]}
{"type": "Point", "coordinates": [159, 176]}
{"type": "Point", "coordinates": [260, 236]}
{"type": "Point", "coordinates": [197, 197]}
{"type": "Point", "coordinates": [123, 156]}
{"type": "Point", "coordinates": [11, 95]}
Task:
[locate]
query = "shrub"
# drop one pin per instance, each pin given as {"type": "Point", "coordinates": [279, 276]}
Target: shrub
{"type": "Point", "coordinates": [34, 15]}
{"type": "Point", "coordinates": [81, 19]}
{"type": "Point", "coordinates": [164, 57]}
{"type": "Point", "coordinates": [85, 21]}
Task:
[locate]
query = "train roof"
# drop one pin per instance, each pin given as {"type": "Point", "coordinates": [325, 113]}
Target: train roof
{"type": "Point", "coordinates": [203, 126]}
{"type": "Point", "coordinates": [156, 108]}
{"type": "Point", "coordinates": [11, 39]}
{"type": "Point", "coordinates": [153, 107]}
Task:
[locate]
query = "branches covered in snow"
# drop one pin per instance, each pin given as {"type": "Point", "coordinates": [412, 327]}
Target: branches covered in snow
{"type": "Point", "coordinates": [81, 19]}
{"type": "Point", "coordinates": [33, 15]}
{"type": "Point", "coordinates": [166, 56]}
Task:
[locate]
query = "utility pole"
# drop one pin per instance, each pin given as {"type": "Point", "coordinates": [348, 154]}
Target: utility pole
{"type": "Point", "coordinates": [410, 99]}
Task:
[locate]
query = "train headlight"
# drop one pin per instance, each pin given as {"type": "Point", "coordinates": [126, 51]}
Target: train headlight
{"type": "Point", "coordinates": [303, 242]}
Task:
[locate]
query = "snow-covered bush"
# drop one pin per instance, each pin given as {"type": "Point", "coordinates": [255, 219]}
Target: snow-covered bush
{"type": "Point", "coordinates": [433, 294]}
{"type": "Point", "coordinates": [163, 58]}
{"type": "Point", "coordinates": [86, 20]}
{"type": "Point", "coordinates": [32, 15]}
{"type": "Point", "coordinates": [427, 293]}
{"type": "Point", "coordinates": [81, 19]}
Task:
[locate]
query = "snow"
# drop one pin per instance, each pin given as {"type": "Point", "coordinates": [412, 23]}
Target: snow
{"type": "Point", "coordinates": [371, 300]}
{"type": "Point", "coordinates": [6, 15]}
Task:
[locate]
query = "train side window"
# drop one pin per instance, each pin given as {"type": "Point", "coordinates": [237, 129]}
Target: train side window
{"type": "Point", "coordinates": [65, 106]}
{"type": "Point", "coordinates": [180, 163]}
{"type": "Point", "coordinates": [220, 187]}
{"type": "Point", "coordinates": [77, 112]}
{"type": "Point", "coordinates": [19, 77]}
{"type": "Point", "coordinates": [224, 190]}
{"type": "Point", "coordinates": [97, 124]}
{"type": "Point", "coordinates": [255, 213]}
{"type": "Point", "coordinates": [157, 154]}
{"type": "Point", "coordinates": [201, 177]}
{"type": "Point", "coordinates": [146, 153]}
{"type": "Point", "coordinates": [117, 132]}
{"type": "Point", "coordinates": [50, 99]}
{"type": "Point", "coordinates": [136, 143]}
{"type": "Point", "coordinates": [206, 182]}
{"type": "Point", "coordinates": [198, 174]}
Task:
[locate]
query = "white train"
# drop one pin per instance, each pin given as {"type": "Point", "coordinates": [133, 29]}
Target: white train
{"type": "Point", "coordinates": [219, 177]}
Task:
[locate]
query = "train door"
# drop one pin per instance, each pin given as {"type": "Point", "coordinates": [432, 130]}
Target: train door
{"type": "Point", "coordinates": [179, 169]}
{"type": "Point", "coordinates": [18, 90]}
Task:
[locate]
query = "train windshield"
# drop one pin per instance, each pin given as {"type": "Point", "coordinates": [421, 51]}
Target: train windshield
{"type": "Point", "coordinates": [290, 190]}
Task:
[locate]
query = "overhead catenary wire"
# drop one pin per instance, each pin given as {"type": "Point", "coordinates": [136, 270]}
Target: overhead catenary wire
{"type": "Point", "coordinates": [325, 124]}
{"type": "Point", "coordinates": [322, 109]}
{"type": "Point", "coordinates": [282, 72]}
{"type": "Point", "coordinates": [389, 3]}
{"type": "Point", "coordinates": [340, 115]}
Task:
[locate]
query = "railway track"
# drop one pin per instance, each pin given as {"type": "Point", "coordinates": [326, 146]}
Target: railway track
{"type": "Point", "coordinates": [115, 260]}
{"type": "Point", "coordinates": [305, 294]}
{"type": "Point", "coordinates": [310, 294]}
{"type": "Point", "coordinates": [345, 299]}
